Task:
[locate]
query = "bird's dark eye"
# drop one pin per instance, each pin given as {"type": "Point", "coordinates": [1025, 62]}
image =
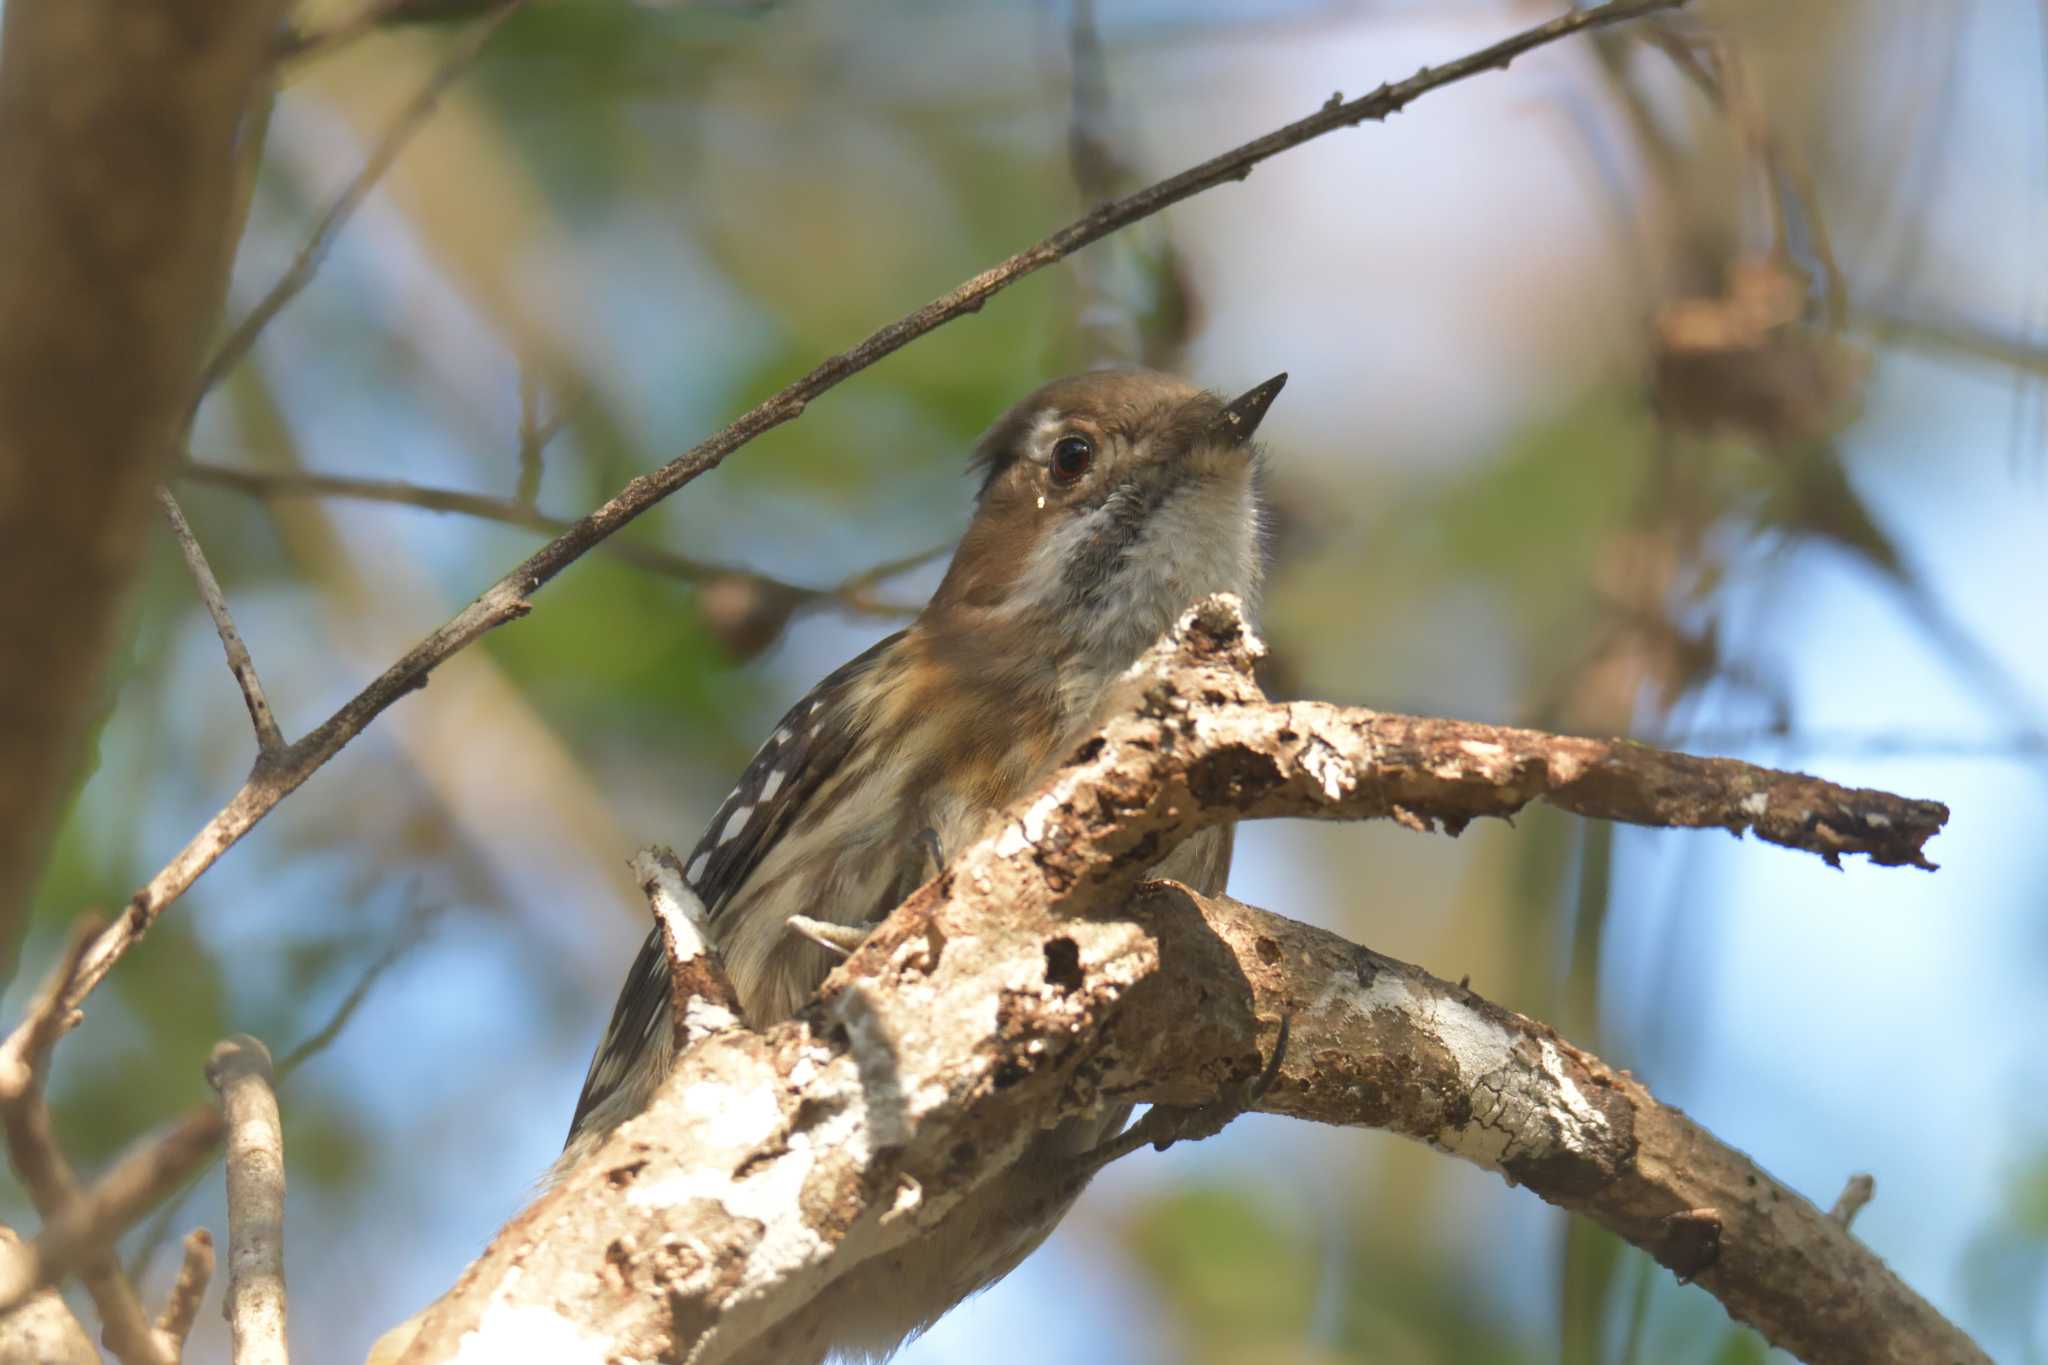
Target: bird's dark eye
{"type": "Point", "coordinates": [1071, 456]}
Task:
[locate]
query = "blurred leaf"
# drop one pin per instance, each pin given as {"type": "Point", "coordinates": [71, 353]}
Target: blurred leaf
{"type": "Point", "coordinates": [2028, 1209]}
{"type": "Point", "coordinates": [1543, 507]}
{"type": "Point", "coordinates": [1234, 1273]}
{"type": "Point", "coordinates": [324, 1142]}
{"type": "Point", "coordinates": [173, 994]}
{"type": "Point", "coordinates": [1741, 1347]}
{"type": "Point", "coordinates": [1590, 1281]}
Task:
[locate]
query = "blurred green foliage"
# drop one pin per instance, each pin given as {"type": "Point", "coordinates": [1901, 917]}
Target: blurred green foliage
{"type": "Point", "coordinates": [720, 198]}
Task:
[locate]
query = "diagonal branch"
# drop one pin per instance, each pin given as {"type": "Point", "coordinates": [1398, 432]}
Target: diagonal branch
{"type": "Point", "coordinates": [1038, 978]}
{"type": "Point", "coordinates": [306, 263]}
{"type": "Point", "coordinates": [1381, 1044]}
{"type": "Point", "coordinates": [510, 597]}
{"type": "Point", "coordinates": [82, 1232]}
{"type": "Point", "coordinates": [269, 739]}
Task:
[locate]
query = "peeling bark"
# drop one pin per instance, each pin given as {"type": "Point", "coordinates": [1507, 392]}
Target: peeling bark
{"type": "Point", "coordinates": [1037, 979]}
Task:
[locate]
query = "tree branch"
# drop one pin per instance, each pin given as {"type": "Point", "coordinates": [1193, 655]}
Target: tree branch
{"type": "Point", "coordinates": [510, 597]}
{"type": "Point", "coordinates": [42, 1331]}
{"type": "Point", "coordinates": [181, 1306]}
{"type": "Point", "coordinates": [255, 1305]}
{"type": "Point", "coordinates": [1381, 1044]}
{"type": "Point", "coordinates": [53, 1188]}
{"type": "Point", "coordinates": [269, 740]}
{"type": "Point", "coordinates": [1037, 978]}
{"type": "Point", "coordinates": [306, 263]}
{"type": "Point", "coordinates": [47, 1176]}
{"type": "Point", "coordinates": [84, 1228]}
{"type": "Point", "coordinates": [855, 595]}
{"type": "Point", "coordinates": [118, 133]}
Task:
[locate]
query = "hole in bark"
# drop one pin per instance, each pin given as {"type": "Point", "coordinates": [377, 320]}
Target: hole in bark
{"type": "Point", "coordinates": [1232, 777]}
{"type": "Point", "coordinates": [1269, 951]}
{"type": "Point", "coordinates": [1063, 963]}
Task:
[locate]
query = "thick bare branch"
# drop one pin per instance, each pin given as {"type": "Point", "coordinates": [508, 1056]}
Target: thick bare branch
{"type": "Point", "coordinates": [42, 1331]}
{"type": "Point", "coordinates": [1380, 1044]}
{"type": "Point", "coordinates": [511, 596]}
{"type": "Point", "coordinates": [1036, 979]}
{"type": "Point", "coordinates": [255, 1302]}
{"type": "Point", "coordinates": [117, 129]}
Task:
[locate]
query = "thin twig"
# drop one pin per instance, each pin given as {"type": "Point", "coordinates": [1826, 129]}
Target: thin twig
{"type": "Point", "coordinates": [181, 1307]}
{"type": "Point", "coordinates": [53, 1188]}
{"type": "Point", "coordinates": [251, 139]}
{"type": "Point", "coordinates": [1853, 1197]}
{"type": "Point", "coordinates": [85, 1229]}
{"type": "Point", "coordinates": [1106, 322]}
{"type": "Point", "coordinates": [852, 595]}
{"type": "Point", "coordinates": [1894, 326]}
{"type": "Point", "coordinates": [47, 1017]}
{"type": "Point", "coordinates": [410, 935]}
{"type": "Point", "coordinates": [307, 263]}
{"type": "Point", "coordinates": [239, 1070]}
{"type": "Point", "coordinates": [269, 739]}
{"type": "Point", "coordinates": [701, 996]}
{"type": "Point", "coordinates": [1845, 743]}
{"type": "Point", "coordinates": [535, 435]}
{"type": "Point", "coordinates": [510, 597]}
{"type": "Point", "coordinates": [371, 16]}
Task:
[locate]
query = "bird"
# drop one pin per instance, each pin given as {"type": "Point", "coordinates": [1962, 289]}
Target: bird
{"type": "Point", "coordinates": [1107, 503]}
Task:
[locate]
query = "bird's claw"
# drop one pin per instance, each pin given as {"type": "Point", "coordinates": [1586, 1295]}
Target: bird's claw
{"type": "Point", "coordinates": [838, 939]}
{"type": "Point", "coordinates": [1165, 1124]}
{"type": "Point", "coordinates": [935, 856]}
{"type": "Point", "coordinates": [1195, 1122]}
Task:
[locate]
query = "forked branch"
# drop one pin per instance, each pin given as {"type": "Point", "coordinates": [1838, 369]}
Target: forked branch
{"type": "Point", "coordinates": [1038, 977]}
{"type": "Point", "coordinates": [511, 597]}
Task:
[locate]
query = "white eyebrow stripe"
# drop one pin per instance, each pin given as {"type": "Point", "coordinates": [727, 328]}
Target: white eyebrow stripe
{"type": "Point", "coordinates": [1042, 433]}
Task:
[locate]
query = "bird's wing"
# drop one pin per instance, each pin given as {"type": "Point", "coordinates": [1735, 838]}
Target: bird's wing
{"type": "Point", "coordinates": [806, 748]}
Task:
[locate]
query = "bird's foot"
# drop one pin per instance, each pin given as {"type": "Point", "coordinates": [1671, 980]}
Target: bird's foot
{"type": "Point", "coordinates": [935, 856]}
{"type": "Point", "coordinates": [1165, 1124]}
{"type": "Point", "coordinates": [838, 939]}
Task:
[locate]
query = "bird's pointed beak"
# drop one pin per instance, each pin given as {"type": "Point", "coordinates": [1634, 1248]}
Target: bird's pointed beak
{"type": "Point", "coordinates": [1241, 416]}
